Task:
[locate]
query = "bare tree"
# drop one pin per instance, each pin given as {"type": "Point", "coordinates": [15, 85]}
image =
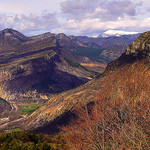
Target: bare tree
{"type": "Point", "coordinates": [119, 119]}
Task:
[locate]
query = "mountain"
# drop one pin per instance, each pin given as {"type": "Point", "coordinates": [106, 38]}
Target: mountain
{"type": "Point", "coordinates": [10, 38]}
{"type": "Point", "coordinates": [125, 79]}
{"type": "Point", "coordinates": [111, 47]}
{"type": "Point", "coordinates": [34, 68]}
{"type": "Point", "coordinates": [117, 33]}
{"type": "Point", "coordinates": [131, 38]}
{"type": "Point", "coordinates": [110, 111]}
{"type": "Point", "coordinates": [85, 54]}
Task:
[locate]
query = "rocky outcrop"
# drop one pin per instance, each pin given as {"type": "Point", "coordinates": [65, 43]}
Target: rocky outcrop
{"type": "Point", "coordinates": [4, 106]}
{"type": "Point", "coordinates": [140, 47]}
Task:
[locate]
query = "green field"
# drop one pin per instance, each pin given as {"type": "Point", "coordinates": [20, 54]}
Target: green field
{"type": "Point", "coordinates": [30, 107]}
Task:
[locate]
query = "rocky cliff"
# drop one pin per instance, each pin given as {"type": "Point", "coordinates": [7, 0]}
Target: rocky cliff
{"type": "Point", "coordinates": [140, 47]}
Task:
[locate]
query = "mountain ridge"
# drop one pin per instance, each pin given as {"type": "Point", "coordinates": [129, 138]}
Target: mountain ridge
{"type": "Point", "coordinates": [112, 47]}
{"type": "Point", "coordinates": [28, 65]}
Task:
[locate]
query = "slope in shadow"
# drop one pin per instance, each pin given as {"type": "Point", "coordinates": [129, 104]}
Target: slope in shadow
{"type": "Point", "coordinates": [53, 128]}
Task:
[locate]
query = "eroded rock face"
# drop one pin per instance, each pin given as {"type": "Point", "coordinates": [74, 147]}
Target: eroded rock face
{"type": "Point", "coordinates": [141, 46]}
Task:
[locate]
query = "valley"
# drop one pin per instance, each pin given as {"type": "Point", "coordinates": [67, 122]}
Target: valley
{"type": "Point", "coordinates": [47, 80]}
{"type": "Point", "coordinates": [74, 75]}
{"type": "Point", "coordinates": [34, 69]}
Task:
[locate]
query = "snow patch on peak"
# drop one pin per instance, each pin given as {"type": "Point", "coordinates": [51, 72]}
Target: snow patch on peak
{"type": "Point", "coordinates": [117, 33]}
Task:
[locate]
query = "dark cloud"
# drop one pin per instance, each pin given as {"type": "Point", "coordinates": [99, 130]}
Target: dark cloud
{"type": "Point", "coordinates": [29, 23]}
{"type": "Point", "coordinates": [105, 10]}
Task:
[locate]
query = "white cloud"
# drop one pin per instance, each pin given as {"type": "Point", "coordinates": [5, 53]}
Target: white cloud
{"type": "Point", "coordinates": [29, 6]}
{"type": "Point", "coordinates": [29, 23]}
{"type": "Point", "coordinates": [94, 26]}
{"type": "Point", "coordinates": [77, 17]}
{"type": "Point", "coordinates": [145, 23]}
{"type": "Point", "coordinates": [90, 17]}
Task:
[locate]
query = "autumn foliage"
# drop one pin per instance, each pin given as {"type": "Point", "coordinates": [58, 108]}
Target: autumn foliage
{"type": "Point", "coordinates": [119, 118]}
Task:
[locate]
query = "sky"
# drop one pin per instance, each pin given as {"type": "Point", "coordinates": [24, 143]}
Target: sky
{"type": "Point", "coordinates": [74, 17]}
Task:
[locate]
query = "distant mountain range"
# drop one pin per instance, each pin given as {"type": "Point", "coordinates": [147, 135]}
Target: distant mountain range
{"type": "Point", "coordinates": [112, 46]}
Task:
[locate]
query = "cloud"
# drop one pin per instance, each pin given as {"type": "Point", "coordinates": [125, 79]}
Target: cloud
{"type": "Point", "coordinates": [145, 23]}
{"type": "Point", "coordinates": [90, 17]}
{"type": "Point", "coordinates": [78, 9]}
{"type": "Point", "coordinates": [77, 17]}
{"type": "Point", "coordinates": [95, 26]}
{"type": "Point", "coordinates": [104, 10]}
{"type": "Point", "coordinates": [29, 23]}
{"type": "Point", "coordinates": [28, 6]}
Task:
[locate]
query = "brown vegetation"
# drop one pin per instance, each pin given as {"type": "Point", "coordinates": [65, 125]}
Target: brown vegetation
{"type": "Point", "coordinates": [120, 117]}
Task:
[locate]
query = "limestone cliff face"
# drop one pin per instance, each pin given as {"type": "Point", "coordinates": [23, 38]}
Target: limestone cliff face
{"type": "Point", "coordinates": [141, 46]}
{"type": "Point", "coordinates": [20, 75]}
